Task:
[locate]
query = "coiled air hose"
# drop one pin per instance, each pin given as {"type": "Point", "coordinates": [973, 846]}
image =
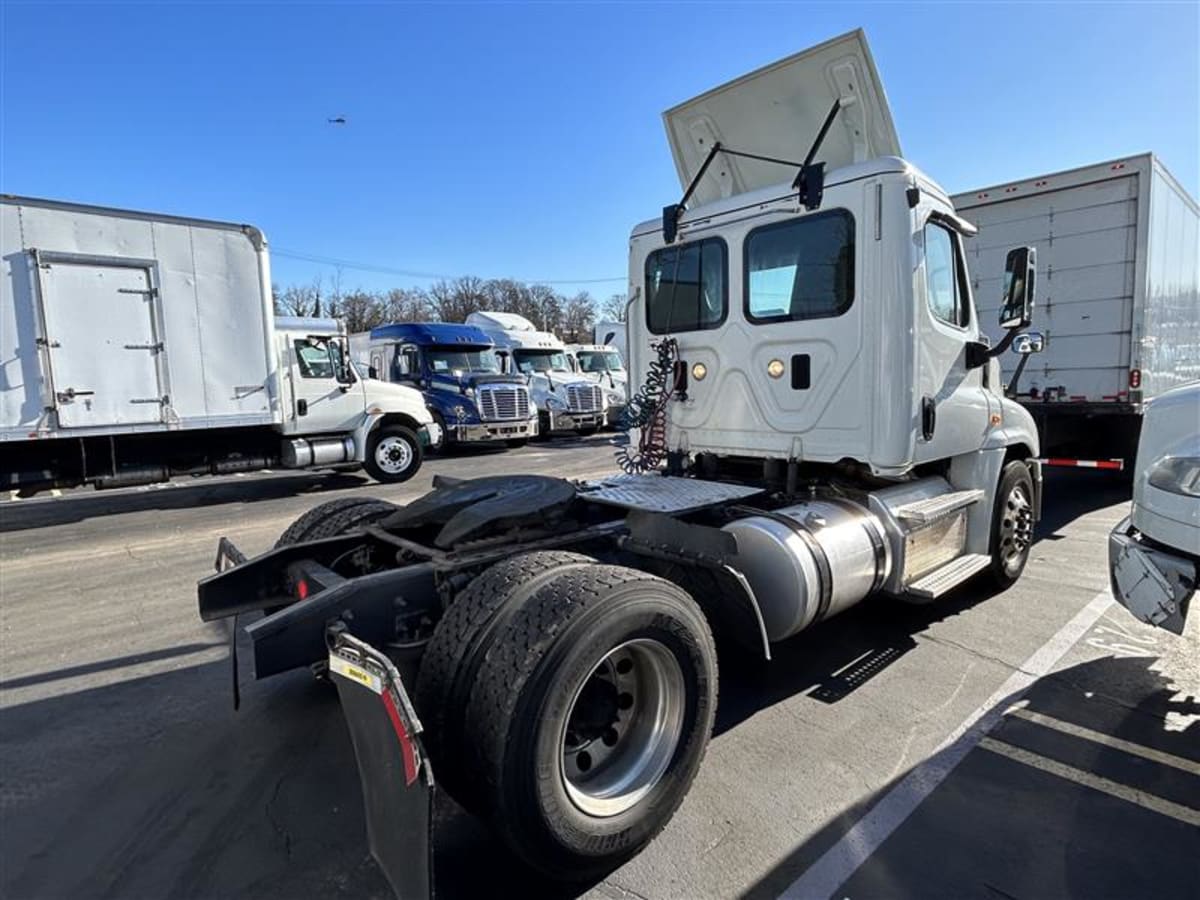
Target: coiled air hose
{"type": "Point", "coordinates": [647, 412]}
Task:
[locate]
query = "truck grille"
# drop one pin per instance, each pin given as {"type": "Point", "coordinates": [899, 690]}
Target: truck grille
{"type": "Point", "coordinates": [501, 403]}
{"type": "Point", "coordinates": [585, 398]}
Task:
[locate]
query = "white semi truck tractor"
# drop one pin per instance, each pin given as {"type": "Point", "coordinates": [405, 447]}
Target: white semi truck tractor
{"type": "Point", "coordinates": [565, 401]}
{"type": "Point", "coordinates": [819, 420]}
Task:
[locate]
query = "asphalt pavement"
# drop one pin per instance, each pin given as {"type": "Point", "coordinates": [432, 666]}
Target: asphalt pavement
{"type": "Point", "coordinates": [1034, 743]}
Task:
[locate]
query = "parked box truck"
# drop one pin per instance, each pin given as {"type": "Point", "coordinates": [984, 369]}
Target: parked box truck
{"type": "Point", "coordinates": [137, 346]}
{"type": "Point", "coordinates": [1118, 247]}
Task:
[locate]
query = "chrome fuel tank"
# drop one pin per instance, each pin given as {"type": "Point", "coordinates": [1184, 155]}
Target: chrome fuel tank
{"type": "Point", "coordinates": [809, 561]}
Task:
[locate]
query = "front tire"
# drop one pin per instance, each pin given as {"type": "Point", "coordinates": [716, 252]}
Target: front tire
{"type": "Point", "coordinates": [590, 716]}
{"type": "Point", "coordinates": [393, 454]}
{"type": "Point", "coordinates": [1012, 525]}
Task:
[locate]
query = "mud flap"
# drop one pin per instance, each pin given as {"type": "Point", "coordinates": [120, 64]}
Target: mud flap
{"type": "Point", "coordinates": [397, 781]}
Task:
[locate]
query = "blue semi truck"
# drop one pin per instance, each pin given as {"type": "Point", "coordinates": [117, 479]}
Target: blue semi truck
{"type": "Point", "coordinates": [456, 369]}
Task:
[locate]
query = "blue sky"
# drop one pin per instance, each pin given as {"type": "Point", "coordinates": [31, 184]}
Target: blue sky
{"type": "Point", "coordinates": [525, 140]}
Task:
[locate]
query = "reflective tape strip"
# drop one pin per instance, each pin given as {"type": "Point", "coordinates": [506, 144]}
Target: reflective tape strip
{"type": "Point", "coordinates": [1117, 464]}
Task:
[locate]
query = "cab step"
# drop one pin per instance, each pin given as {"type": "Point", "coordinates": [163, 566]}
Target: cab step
{"type": "Point", "coordinates": [952, 574]}
{"type": "Point", "coordinates": [922, 512]}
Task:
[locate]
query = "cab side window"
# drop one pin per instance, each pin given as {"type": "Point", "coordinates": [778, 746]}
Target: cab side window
{"type": "Point", "coordinates": [404, 363]}
{"type": "Point", "coordinates": [313, 360]}
{"type": "Point", "coordinates": [945, 284]}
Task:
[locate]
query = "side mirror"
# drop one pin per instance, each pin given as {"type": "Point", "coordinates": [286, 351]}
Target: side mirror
{"type": "Point", "coordinates": [1016, 306]}
{"type": "Point", "coordinates": [1029, 342]}
{"type": "Point", "coordinates": [373, 373]}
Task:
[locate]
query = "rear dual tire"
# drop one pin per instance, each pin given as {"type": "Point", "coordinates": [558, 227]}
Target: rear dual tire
{"type": "Point", "coordinates": [586, 714]}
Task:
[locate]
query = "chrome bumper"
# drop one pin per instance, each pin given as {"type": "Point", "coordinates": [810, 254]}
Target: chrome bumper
{"type": "Point", "coordinates": [1156, 585]}
{"type": "Point", "coordinates": [492, 431]}
{"type": "Point", "coordinates": [565, 420]}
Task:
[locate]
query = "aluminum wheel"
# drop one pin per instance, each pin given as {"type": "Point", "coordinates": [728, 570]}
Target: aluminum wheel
{"type": "Point", "coordinates": [1016, 528]}
{"type": "Point", "coordinates": [623, 727]}
{"type": "Point", "coordinates": [393, 455]}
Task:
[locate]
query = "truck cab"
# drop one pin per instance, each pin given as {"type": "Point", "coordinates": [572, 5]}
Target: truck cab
{"type": "Point", "coordinates": [457, 371]}
{"type": "Point", "coordinates": [815, 320]}
{"type": "Point", "coordinates": [604, 366]}
{"type": "Point", "coordinates": [332, 414]}
{"type": "Point", "coordinates": [565, 401]}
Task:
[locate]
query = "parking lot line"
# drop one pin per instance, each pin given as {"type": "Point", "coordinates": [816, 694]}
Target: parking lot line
{"type": "Point", "coordinates": [841, 860]}
{"type": "Point", "coordinates": [1184, 814]}
{"type": "Point", "coordinates": [1116, 743]}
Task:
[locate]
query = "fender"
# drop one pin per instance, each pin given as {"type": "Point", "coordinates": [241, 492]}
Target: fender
{"type": "Point", "coordinates": [371, 420]}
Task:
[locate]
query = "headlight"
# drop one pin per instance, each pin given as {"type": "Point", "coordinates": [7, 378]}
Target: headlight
{"type": "Point", "coordinates": [616, 398]}
{"type": "Point", "coordinates": [469, 392]}
{"type": "Point", "coordinates": [1177, 474]}
{"type": "Point", "coordinates": [555, 403]}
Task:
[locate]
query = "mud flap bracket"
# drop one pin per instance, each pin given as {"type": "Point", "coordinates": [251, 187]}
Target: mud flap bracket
{"type": "Point", "coordinates": [396, 778]}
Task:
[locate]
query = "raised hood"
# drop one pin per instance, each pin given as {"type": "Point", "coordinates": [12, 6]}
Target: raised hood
{"type": "Point", "coordinates": [777, 111]}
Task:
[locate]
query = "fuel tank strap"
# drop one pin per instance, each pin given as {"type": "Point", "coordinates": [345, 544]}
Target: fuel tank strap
{"type": "Point", "coordinates": [870, 526]}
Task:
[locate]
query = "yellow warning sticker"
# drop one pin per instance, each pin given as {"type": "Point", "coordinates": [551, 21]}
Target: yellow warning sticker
{"type": "Point", "coordinates": [355, 673]}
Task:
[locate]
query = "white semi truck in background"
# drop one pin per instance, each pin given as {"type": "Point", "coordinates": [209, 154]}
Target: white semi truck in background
{"type": "Point", "coordinates": [1118, 248]}
{"type": "Point", "coordinates": [814, 376]}
{"type": "Point", "coordinates": [137, 346]}
{"type": "Point", "coordinates": [604, 365]}
{"type": "Point", "coordinates": [565, 402]}
{"type": "Point", "coordinates": [608, 333]}
{"type": "Point", "coordinates": [1154, 552]}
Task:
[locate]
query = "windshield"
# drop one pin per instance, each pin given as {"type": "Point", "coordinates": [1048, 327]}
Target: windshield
{"type": "Point", "coordinates": [599, 361]}
{"type": "Point", "coordinates": [531, 361]}
{"type": "Point", "coordinates": [455, 361]}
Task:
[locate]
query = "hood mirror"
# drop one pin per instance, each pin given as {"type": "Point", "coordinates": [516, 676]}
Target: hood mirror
{"type": "Point", "coordinates": [1029, 342]}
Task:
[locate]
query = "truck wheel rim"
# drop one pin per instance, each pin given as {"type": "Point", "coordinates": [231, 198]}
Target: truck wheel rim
{"type": "Point", "coordinates": [1016, 528]}
{"type": "Point", "coordinates": [623, 727]}
{"type": "Point", "coordinates": [393, 455]}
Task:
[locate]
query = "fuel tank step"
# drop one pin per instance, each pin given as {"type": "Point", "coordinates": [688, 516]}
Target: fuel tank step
{"type": "Point", "coordinates": [922, 512]}
{"type": "Point", "coordinates": [952, 574]}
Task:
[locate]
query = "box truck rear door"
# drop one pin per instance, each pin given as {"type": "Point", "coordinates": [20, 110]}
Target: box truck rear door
{"type": "Point", "coordinates": [102, 334]}
{"type": "Point", "coordinates": [777, 111]}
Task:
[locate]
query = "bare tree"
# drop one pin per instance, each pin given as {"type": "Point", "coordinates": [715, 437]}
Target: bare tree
{"type": "Point", "coordinates": [300, 300]}
{"type": "Point", "coordinates": [579, 312]}
{"type": "Point", "coordinates": [613, 309]}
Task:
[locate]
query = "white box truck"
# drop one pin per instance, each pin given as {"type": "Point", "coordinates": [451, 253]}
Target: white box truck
{"type": "Point", "coordinates": [137, 346]}
{"type": "Point", "coordinates": [1119, 252]}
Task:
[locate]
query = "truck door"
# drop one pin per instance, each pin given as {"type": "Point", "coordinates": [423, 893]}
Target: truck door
{"type": "Point", "coordinates": [320, 402]}
{"type": "Point", "coordinates": [952, 406]}
{"type": "Point", "coordinates": [103, 340]}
